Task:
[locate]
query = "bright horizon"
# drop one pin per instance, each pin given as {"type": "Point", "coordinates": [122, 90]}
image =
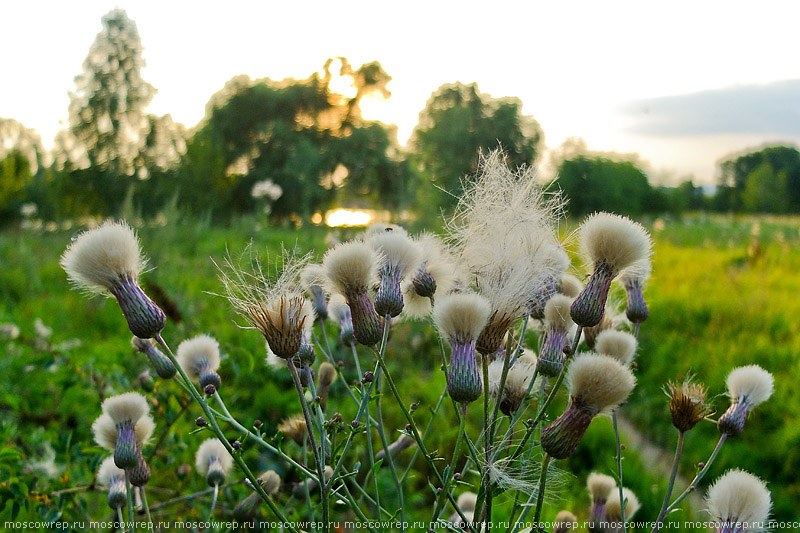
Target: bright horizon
{"type": "Point", "coordinates": [681, 86]}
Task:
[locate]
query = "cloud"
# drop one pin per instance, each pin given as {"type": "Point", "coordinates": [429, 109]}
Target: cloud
{"type": "Point", "coordinates": [771, 109]}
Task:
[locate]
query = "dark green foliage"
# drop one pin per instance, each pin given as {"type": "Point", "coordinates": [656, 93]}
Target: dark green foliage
{"type": "Point", "coordinates": [763, 181]}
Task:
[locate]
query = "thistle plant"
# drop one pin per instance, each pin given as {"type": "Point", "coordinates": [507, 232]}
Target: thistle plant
{"type": "Point", "coordinates": [354, 445]}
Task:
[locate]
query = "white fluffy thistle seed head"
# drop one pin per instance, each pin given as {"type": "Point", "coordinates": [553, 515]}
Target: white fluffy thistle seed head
{"type": "Point", "coordinates": [638, 272]}
{"type": "Point", "coordinates": [620, 345]}
{"type": "Point", "coordinates": [212, 459]}
{"type": "Point", "coordinates": [467, 501]}
{"type": "Point", "coordinates": [614, 508]}
{"type": "Point", "coordinates": [739, 496]}
{"type": "Point", "coordinates": [599, 382]}
{"type": "Point", "coordinates": [197, 354]}
{"type": "Point", "coordinates": [398, 251]}
{"type": "Point", "coordinates": [127, 407]}
{"type": "Point", "coordinates": [439, 264]}
{"type": "Point", "coordinates": [571, 286]}
{"type": "Point", "coordinates": [99, 258]}
{"type": "Point", "coordinates": [312, 275]}
{"type": "Point", "coordinates": [504, 233]}
{"type": "Point", "coordinates": [109, 473]}
{"type": "Point", "coordinates": [351, 267]}
{"type": "Point", "coordinates": [556, 313]}
{"type": "Point", "coordinates": [461, 316]}
{"type": "Point", "coordinates": [752, 383]}
{"type": "Point", "coordinates": [380, 228]}
{"type": "Point", "coordinates": [105, 431]}
{"type": "Point", "coordinates": [518, 379]}
{"type": "Point", "coordinates": [600, 486]}
{"type": "Point", "coordinates": [616, 240]}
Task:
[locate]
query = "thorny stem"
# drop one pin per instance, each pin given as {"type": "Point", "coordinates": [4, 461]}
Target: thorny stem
{"type": "Point", "coordinates": [221, 436]}
{"type": "Point", "coordinates": [415, 434]}
{"type": "Point", "coordinates": [675, 462]}
{"type": "Point", "coordinates": [693, 485]}
{"type": "Point", "coordinates": [622, 503]}
{"type": "Point", "coordinates": [319, 457]}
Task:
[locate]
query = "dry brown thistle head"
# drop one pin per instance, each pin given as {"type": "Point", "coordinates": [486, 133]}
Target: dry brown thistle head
{"type": "Point", "coordinates": [687, 403]}
{"type": "Point", "coordinates": [294, 427]}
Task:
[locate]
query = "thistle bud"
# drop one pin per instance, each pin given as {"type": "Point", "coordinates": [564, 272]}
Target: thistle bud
{"type": "Point", "coordinates": [400, 256]}
{"type": "Point", "coordinates": [161, 363]}
{"type": "Point", "coordinates": [108, 260]}
{"type": "Point", "coordinates": [327, 375]}
{"type": "Point", "coordinates": [633, 279]}
{"type": "Point", "coordinates": [140, 474]}
{"type": "Point", "coordinates": [557, 325]}
{"type": "Point", "coordinates": [564, 522]}
{"type": "Point", "coordinates": [295, 428]}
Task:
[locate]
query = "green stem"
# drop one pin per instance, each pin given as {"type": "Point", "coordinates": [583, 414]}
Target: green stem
{"type": "Point", "coordinates": [129, 491]}
{"type": "Point", "coordinates": [693, 485]}
{"type": "Point", "coordinates": [675, 462]}
{"type": "Point", "coordinates": [189, 386]}
{"type": "Point", "coordinates": [540, 494]}
{"type": "Point", "coordinates": [119, 516]}
{"type": "Point", "coordinates": [622, 502]}
{"type": "Point", "coordinates": [189, 497]}
{"type": "Point", "coordinates": [437, 510]}
{"type": "Point", "coordinates": [213, 502]}
{"type": "Point", "coordinates": [319, 456]}
{"type": "Point", "coordinates": [146, 509]}
{"type": "Point", "coordinates": [388, 456]}
{"type": "Point", "coordinates": [425, 434]}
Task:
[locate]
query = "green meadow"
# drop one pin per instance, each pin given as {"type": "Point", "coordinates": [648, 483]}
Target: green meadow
{"type": "Point", "coordinates": [724, 293]}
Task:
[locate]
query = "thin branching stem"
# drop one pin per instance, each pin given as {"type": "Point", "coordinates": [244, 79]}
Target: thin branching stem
{"type": "Point", "coordinates": [146, 509]}
{"type": "Point", "coordinates": [673, 474]}
{"type": "Point", "coordinates": [622, 503]}
{"type": "Point", "coordinates": [699, 476]}
{"type": "Point", "coordinates": [541, 490]}
{"type": "Point", "coordinates": [386, 452]}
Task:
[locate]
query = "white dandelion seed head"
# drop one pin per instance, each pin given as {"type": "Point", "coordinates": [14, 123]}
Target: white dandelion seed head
{"type": "Point", "coordinates": [618, 241]}
{"type": "Point", "coordinates": [739, 496]}
{"type": "Point", "coordinates": [750, 382]}
{"type": "Point", "coordinates": [198, 353]}
{"type": "Point", "coordinates": [100, 258]}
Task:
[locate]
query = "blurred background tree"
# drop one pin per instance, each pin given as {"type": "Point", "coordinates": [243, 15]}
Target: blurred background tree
{"type": "Point", "coordinates": [763, 181]}
{"type": "Point", "coordinates": [458, 123]}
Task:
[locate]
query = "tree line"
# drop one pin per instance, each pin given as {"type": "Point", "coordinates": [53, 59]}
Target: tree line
{"type": "Point", "coordinates": [295, 147]}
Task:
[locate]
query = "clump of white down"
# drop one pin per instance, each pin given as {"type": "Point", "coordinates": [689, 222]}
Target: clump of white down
{"type": "Point", "coordinates": [614, 508]}
{"type": "Point", "coordinates": [599, 381]}
{"type": "Point", "coordinates": [461, 315]}
{"type": "Point", "coordinates": [739, 496]}
{"type": "Point", "coordinates": [639, 271]}
{"type": "Point", "coordinates": [99, 258]}
{"type": "Point", "coordinates": [312, 275]}
{"type": "Point", "coordinates": [617, 240]}
{"type": "Point", "coordinates": [109, 473]}
{"type": "Point", "coordinates": [198, 353]}
{"type": "Point", "coordinates": [438, 261]}
{"type": "Point", "coordinates": [518, 377]}
{"type": "Point", "coordinates": [211, 451]}
{"type": "Point", "coordinates": [600, 486]}
{"type": "Point", "coordinates": [556, 313]}
{"type": "Point", "coordinates": [351, 267]}
{"type": "Point", "coordinates": [620, 345]}
{"type": "Point", "coordinates": [571, 286]}
{"type": "Point", "coordinates": [398, 251]}
{"type": "Point", "coordinates": [504, 234]}
{"type": "Point", "coordinates": [105, 431]}
{"type": "Point", "coordinates": [750, 382]}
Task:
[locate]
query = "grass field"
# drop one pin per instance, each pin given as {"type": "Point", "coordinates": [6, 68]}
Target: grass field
{"type": "Point", "coordinates": [722, 295]}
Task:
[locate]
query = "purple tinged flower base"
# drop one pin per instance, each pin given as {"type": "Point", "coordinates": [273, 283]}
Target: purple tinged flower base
{"type": "Point", "coordinates": [597, 516]}
{"type": "Point", "coordinates": [389, 298]}
{"type": "Point", "coordinates": [464, 378]}
{"type": "Point", "coordinates": [117, 496]}
{"type": "Point", "coordinates": [423, 283]}
{"type": "Point", "coordinates": [560, 439]}
{"type": "Point", "coordinates": [319, 302]}
{"type": "Point", "coordinates": [733, 420]}
{"type": "Point", "coordinates": [367, 327]}
{"type": "Point", "coordinates": [145, 319]}
{"type": "Point", "coordinates": [588, 308]}
{"type": "Point", "coordinates": [551, 357]}
{"type": "Point", "coordinates": [139, 474]}
{"type": "Point", "coordinates": [636, 309]}
{"type": "Point", "coordinates": [125, 453]}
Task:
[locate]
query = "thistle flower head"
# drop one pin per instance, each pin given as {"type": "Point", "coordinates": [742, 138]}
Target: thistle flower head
{"type": "Point", "coordinates": [637, 273]}
{"type": "Point", "coordinates": [518, 379]}
{"type": "Point", "coordinates": [614, 507]}
{"type": "Point", "coordinates": [599, 382]}
{"type": "Point", "coordinates": [687, 404]}
{"type": "Point", "coordinates": [401, 256]}
{"type": "Point", "coordinates": [112, 477]}
{"type": "Point", "coordinates": [436, 275]}
{"type": "Point", "coordinates": [127, 407]}
{"type": "Point", "coordinates": [556, 313]}
{"type": "Point", "coordinates": [740, 498]}
{"type": "Point", "coordinates": [467, 501]}
{"type": "Point", "coordinates": [275, 307]}
{"type": "Point", "coordinates": [340, 313]}
{"type": "Point", "coordinates": [565, 521]}
{"type": "Point", "coordinates": [105, 431]}
{"type": "Point", "coordinates": [600, 486]}
{"type": "Point", "coordinates": [503, 231]}
{"type": "Point", "coordinates": [327, 374]}
{"type": "Point", "coordinates": [620, 345]}
{"type": "Point", "coordinates": [213, 461]}
{"type": "Point", "coordinates": [351, 267]}
{"type": "Point", "coordinates": [123, 427]}
{"type": "Point", "coordinates": [294, 427]}
{"type": "Point", "coordinates": [380, 228]}
{"type": "Point", "coordinates": [199, 358]}
{"type": "Point", "coordinates": [312, 279]}
{"type": "Point", "coordinates": [751, 384]}
{"type": "Point", "coordinates": [617, 241]}
{"type": "Point", "coordinates": [99, 259]}
{"type": "Point", "coordinates": [461, 316]}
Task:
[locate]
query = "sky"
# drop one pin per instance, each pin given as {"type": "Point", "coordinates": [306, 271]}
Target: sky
{"type": "Point", "coordinates": [682, 84]}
